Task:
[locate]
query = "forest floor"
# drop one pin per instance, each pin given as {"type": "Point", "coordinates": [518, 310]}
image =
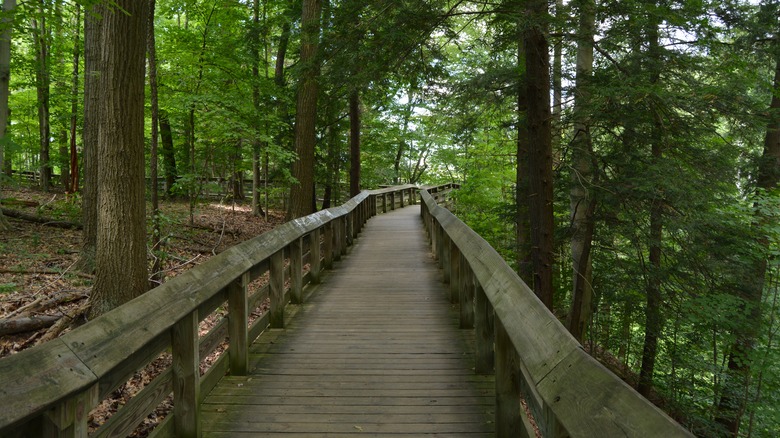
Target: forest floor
{"type": "Point", "coordinates": [39, 284]}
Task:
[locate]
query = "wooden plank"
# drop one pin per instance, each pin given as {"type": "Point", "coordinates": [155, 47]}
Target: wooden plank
{"type": "Point", "coordinates": [508, 410]}
{"type": "Point", "coordinates": [316, 256]}
{"type": "Point", "coordinates": [27, 394]}
{"type": "Point", "coordinates": [277, 290]}
{"type": "Point", "coordinates": [466, 293]}
{"type": "Point", "coordinates": [296, 271]}
{"type": "Point", "coordinates": [186, 377]}
{"type": "Point", "coordinates": [484, 332]}
{"type": "Point", "coordinates": [238, 319]}
{"type": "Point", "coordinates": [125, 421]}
{"type": "Point", "coordinates": [454, 262]}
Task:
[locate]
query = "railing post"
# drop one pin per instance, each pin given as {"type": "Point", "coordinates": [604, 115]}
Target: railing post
{"type": "Point", "coordinates": [186, 376]}
{"type": "Point", "coordinates": [296, 271]}
{"type": "Point", "coordinates": [338, 230]}
{"type": "Point", "coordinates": [508, 410]}
{"type": "Point", "coordinates": [401, 193]}
{"type": "Point", "coordinates": [466, 294]}
{"type": "Point", "coordinates": [483, 331]}
{"type": "Point", "coordinates": [328, 249]}
{"type": "Point", "coordinates": [454, 273]}
{"type": "Point", "coordinates": [71, 418]}
{"type": "Point", "coordinates": [392, 200]}
{"type": "Point", "coordinates": [446, 269]}
{"type": "Point", "coordinates": [238, 318]}
{"type": "Point", "coordinates": [384, 202]}
{"type": "Point", "coordinates": [345, 235]}
{"type": "Point", "coordinates": [349, 225]}
{"type": "Point", "coordinates": [315, 264]}
{"type": "Point", "coordinates": [276, 313]}
{"type": "Point", "coordinates": [433, 233]}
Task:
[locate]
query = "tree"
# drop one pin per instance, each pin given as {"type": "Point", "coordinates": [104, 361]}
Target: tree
{"type": "Point", "coordinates": [537, 68]}
{"type": "Point", "coordinates": [42, 78]}
{"type": "Point", "coordinates": [354, 143]}
{"type": "Point", "coordinates": [582, 201]}
{"type": "Point", "coordinates": [6, 28]}
{"type": "Point", "coordinates": [121, 271]}
{"type": "Point", "coordinates": [302, 200]}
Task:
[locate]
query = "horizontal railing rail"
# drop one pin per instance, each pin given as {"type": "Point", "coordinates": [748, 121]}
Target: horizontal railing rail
{"type": "Point", "coordinates": [50, 389]}
{"type": "Point", "coordinates": [534, 358]}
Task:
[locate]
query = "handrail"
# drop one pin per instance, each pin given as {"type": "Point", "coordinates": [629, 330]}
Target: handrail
{"type": "Point", "coordinates": [533, 356]}
{"type": "Point", "coordinates": [49, 390]}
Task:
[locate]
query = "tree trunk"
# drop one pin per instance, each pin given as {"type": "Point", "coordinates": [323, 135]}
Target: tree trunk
{"type": "Point", "coordinates": [254, 42]}
{"type": "Point", "coordinates": [121, 271]}
{"type": "Point", "coordinates": [42, 79]}
{"type": "Point", "coordinates": [302, 192]}
{"type": "Point", "coordinates": [93, 70]}
{"type": "Point", "coordinates": [153, 173]}
{"type": "Point", "coordinates": [6, 23]}
{"type": "Point", "coordinates": [537, 62]}
{"type": "Point", "coordinates": [653, 316]}
{"type": "Point", "coordinates": [73, 184]}
{"type": "Point", "coordinates": [167, 151]}
{"type": "Point", "coordinates": [354, 143]}
{"type": "Point", "coordinates": [525, 265]}
{"type": "Point", "coordinates": [581, 199]}
{"type": "Point", "coordinates": [731, 405]}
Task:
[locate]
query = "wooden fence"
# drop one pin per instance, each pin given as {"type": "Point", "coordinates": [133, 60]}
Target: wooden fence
{"type": "Point", "coordinates": [49, 390]}
{"type": "Point", "coordinates": [535, 359]}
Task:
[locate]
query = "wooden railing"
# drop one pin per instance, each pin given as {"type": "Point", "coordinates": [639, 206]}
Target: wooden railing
{"type": "Point", "coordinates": [49, 390]}
{"type": "Point", "coordinates": [534, 358]}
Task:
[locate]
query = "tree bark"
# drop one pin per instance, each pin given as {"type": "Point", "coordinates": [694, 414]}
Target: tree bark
{"type": "Point", "coordinates": [73, 183]}
{"type": "Point", "coordinates": [354, 143]}
{"type": "Point", "coordinates": [302, 192]}
{"type": "Point", "coordinates": [525, 267]}
{"type": "Point", "coordinates": [153, 159]}
{"type": "Point", "coordinates": [168, 153]}
{"type": "Point", "coordinates": [537, 62]}
{"type": "Point", "coordinates": [92, 73]}
{"type": "Point", "coordinates": [42, 79]}
{"type": "Point", "coordinates": [9, 7]}
{"type": "Point", "coordinates": [121, 271]}
{"type": "Point", "coordinates": [583, 177]}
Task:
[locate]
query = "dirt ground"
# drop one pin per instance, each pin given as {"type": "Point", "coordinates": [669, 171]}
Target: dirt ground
{"type": "Point", "coordinates": [38, 279]}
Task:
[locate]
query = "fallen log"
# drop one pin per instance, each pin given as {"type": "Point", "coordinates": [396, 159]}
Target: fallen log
{"type": "Point", "coordinates": [42, 220]}
{"type": "Point", "coordinates": [26, 324]}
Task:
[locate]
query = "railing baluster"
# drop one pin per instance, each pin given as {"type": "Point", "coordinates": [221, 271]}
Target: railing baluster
{"type": "Point", "coordinates": [328, 243]}
{"type": "Point", "coordinates": [454, 260]}
{"type": "Point", "coordinates": [296, 271]}
{"type": "Point", "coordinates": [315, 264]}
{"type": "Point", "coordinates": [344, 233]}
{"type": "Point", "coordinates": [466, 294]}
{"type": "Point", "coordinates": [186, 376]}
{"type": "Point", "coordinates": [71, 418]}
{"type": "Point", "coordinates": [238, 318]}
{"type": "Point", "coordinates": [276, 315]}
{"type": "Point", "coordinates": [509, 415]}
{"type": "Point", "coordinates": [483, 329]}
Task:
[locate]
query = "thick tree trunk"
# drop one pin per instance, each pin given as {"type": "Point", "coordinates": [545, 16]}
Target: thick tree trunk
{"type": "Point", "coordinates": [121, 271]}
{"type": "Point", "coordinates": [581, 199]}
{"type": "Point", "coordinates": [354, 143]}
{"type": "Point", "coordinates": [42, 79]}
{"type": "Point", "coordinates": [302, 192]}
{"type": "Point", "coordinates": [9, 7]}
{"type": "Point", "coordinates": [537, 61]}
{"type": "Point", "coordinates": [93, 70]}
{"type": "Point", "coordinates": [254, 42]}
{"type": "Point", "coordinates": [731, 406]}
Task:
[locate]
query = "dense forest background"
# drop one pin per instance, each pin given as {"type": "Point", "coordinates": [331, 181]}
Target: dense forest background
{"type": "Point", "coordinates": [624, 156]}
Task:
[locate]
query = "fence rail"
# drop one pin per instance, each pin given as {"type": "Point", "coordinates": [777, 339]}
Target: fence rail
{"type": "Point", "coordinates": [533, 356]}
{"type": "Point", "coordinates": [49, 390]}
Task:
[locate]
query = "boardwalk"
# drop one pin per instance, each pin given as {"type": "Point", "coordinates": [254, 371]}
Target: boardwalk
{"type": "Point", "coordinates": [374, 352]}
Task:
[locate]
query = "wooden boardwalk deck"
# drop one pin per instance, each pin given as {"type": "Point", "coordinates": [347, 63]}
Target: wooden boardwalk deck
{"type": "Point", "coordinates": [376, 351]}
